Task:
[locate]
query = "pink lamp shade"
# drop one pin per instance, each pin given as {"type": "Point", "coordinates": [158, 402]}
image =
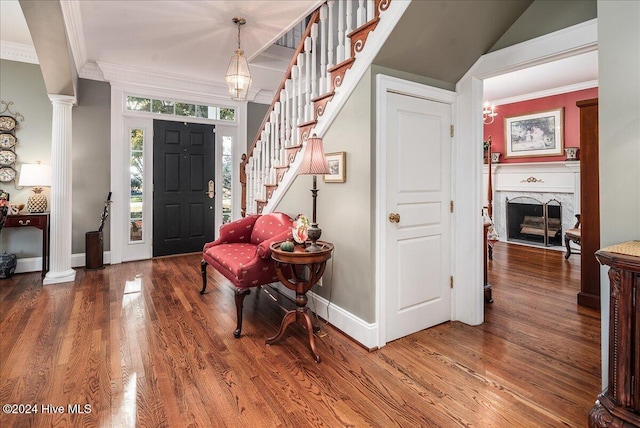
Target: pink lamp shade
{"type": "Point", "coordinates": [314, 161]}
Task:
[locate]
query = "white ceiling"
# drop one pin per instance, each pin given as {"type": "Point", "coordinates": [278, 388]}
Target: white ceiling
{"type": "Point", "coordinates": [160, 37]}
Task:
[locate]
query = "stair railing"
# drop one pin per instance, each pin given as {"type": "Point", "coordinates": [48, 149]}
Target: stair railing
{"type": "Point", "coordinates": [326, 51]}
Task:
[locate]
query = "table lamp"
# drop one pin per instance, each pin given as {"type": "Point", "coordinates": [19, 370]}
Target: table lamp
{"type": "Point", "coordinates": [37, 176]}
{"type": "Point", "coordinates": [314, 162]}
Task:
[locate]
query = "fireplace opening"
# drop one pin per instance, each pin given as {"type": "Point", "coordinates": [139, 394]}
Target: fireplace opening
{"type": "Point", "coordinates": [534, 222]}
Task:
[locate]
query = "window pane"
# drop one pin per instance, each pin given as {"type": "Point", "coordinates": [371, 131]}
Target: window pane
{"type": "Point", "coordinates": [136, 176]}
{"type": "Point", "coordinates": [227, 165]}
{"type": "Point", "coordinates": [183, 109]}
{"type": "Point", "coordinates": [138, 104]}
{"type": "Point", "coordinates": [227, 114]}
{"type": "Point", "coordinates": [162, 106]}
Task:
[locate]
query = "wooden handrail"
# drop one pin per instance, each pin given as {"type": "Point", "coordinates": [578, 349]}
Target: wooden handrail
{"type": "Point", "coordinates": [314, 19]}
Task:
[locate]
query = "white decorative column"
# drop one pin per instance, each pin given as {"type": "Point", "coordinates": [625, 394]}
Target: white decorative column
{"type": "Point", "coordinates": [60, 221]}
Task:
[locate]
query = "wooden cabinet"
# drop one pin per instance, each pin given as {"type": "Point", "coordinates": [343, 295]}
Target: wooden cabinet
{"type": "Point", "coordinates": [619, 403]}
{"type": "Point", "coordinates": [589, 294]}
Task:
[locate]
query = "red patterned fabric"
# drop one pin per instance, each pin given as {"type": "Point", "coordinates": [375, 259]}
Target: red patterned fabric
{"type": "Point", "coordinates": [242, 252]}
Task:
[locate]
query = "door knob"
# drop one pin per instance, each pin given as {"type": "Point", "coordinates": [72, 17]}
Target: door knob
{"type": "Point", "coordinates": [394, 218]}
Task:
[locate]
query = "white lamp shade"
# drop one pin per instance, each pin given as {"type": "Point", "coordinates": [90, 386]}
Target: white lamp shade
{"type": "Point", "coordinates": [238, 77]}
{"type": "Point", "coordinates": [314, 161]}
{"type": "Point", "coordinates": [35, 175]}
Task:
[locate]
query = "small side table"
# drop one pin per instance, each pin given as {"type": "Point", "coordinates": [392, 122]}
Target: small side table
{"type": "Point", "coordinates": [295, 263]}
{"type": "Point", "coordinates": [39, 221]}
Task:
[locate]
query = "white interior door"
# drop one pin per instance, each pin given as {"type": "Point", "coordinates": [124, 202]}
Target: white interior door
{"type": "Point", "coordinates": [418, 235]}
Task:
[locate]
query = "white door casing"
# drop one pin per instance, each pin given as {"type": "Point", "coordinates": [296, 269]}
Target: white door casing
{"type": "Point", "coordinates": [414, 168]}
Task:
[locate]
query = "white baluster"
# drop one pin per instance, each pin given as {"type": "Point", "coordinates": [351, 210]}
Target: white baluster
{"type": "Point", "coordinates": [300, 90]}
{"type": "Point", "coordinates": [340, 52]}
{"type": "Point", "coordinates": [294, 104]}
{"type": "Point", "coordinates": [323, 50]}
{"type": "Point", "coordinates": [307, 80]}
{"type": "Point", "coordinates": [287, 113]}
{"type": "Point", "coordinates": [314, 62]}
{"type": "Point", "coordinates": [370, 9]}
{"type": "Point", "coordinates": [361, 14]}
{"type": "Point", "coordinates": [278, 129]}
{"type": "Point", "coordinates": [330, 42]}
{"type": "Point", "coordinates": [347, 39]}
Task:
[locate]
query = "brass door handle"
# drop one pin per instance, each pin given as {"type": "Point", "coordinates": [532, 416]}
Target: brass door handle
{"type": "Point", "coordinates": [211, 193]}
{"type": "Point", "coordinates": [394, 218]}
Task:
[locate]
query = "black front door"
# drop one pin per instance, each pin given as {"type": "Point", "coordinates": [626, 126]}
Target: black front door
{"type": "Point", "coordinates": [183, 165]}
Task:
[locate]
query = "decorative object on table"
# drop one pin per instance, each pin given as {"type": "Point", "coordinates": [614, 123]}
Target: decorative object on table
{"type": "Point", "coordinates": [488, 113]}
{"type": "Point", "coordinates": [535, 134]}
{"type": "Point", "coordinates": [238, 76]}
{"type": "Point", "coordinates": [314, 162]}
{"type": "Point", "coordinates": [287, 246]}
{"type": "Point", "coordinates": [4, 207]}
{"type": "Point", "coordinates": [300, 229]}
{"type": "Point", "coordinates": [572, 153]}
{"type": "Point", "coordinates": [37, 176]}
{"type": "Point", "coordinates": [495, 157]}
{"type": "Point", "coordinates": [337, 163]}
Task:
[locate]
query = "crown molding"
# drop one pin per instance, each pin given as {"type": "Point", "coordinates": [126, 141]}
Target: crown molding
{"type": "Point", "coordinates": [120, 74]}
{"type": "Point", "coordinates": [72, 17]}
{"type": "Point", "coordinates": [547, 92]}
{"type": "Point", "coordinates": [18, 52]}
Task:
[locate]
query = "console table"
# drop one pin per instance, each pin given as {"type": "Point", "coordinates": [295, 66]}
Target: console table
{"type": "Point", "coordinates": [39, 221]}
{"type": "Point", "coordinates": [619, 404]}
{"type": "Point", "coordinates": [299, 271]}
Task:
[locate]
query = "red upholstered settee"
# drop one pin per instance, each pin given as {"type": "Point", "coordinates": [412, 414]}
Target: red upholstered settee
{"type": "Point", "coordinates": [242, 253]}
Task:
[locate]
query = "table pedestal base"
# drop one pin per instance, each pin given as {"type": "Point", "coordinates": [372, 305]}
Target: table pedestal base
{"type": "Point", "coordinates": [299, 316]}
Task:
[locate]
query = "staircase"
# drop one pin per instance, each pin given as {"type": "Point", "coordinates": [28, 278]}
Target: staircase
{"type": "Point", "coordinates": [312, 92]}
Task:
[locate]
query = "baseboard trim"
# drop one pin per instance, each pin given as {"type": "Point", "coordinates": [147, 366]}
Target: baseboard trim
{"type": "Point", "coordinates": [34, 264]}
{"type": "Point", "coordinates": [366, 334]}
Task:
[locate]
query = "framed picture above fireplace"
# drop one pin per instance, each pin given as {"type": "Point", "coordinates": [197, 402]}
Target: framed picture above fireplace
{"type": "Point", "coordinates": [535, 134]}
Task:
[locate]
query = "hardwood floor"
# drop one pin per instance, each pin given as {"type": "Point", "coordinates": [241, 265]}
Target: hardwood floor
{"type": "Point", "coordinates": [140, 346]}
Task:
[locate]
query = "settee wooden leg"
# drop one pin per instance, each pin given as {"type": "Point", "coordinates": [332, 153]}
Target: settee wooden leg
{"type": "Point", "coordinates": [203, 268]}
{"type": "Point", "coordinates": [568, 245]}
{"type": "Point", "coordinates": [241, 293]}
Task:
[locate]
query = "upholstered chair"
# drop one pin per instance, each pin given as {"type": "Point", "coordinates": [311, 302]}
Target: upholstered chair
{"type": "Point", "coordinates": [242, 253]}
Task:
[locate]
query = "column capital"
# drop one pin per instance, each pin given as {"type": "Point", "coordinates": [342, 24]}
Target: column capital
{"type": "Point", "coordinates": [62, 99]}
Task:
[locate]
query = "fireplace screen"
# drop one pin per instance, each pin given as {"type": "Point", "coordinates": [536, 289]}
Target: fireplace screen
{"type": "Point", "coordinates": [532, 221]}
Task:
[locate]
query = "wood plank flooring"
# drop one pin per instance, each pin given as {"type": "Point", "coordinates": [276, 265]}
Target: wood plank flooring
{"type": "Point", "coordinates": [139, 346]}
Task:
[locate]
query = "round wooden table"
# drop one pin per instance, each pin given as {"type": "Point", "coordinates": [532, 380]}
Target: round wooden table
{"type": "Point", "coordinates": [290, 268]}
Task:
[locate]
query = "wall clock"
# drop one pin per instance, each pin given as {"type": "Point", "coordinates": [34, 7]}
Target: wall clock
{"type": "Point", "coordinates": [7, 174]}
{"type": "Point", "coordinates": [7, 157]}
{"type": "Point", "coordinates": [7, 123]}
{"type": "Point", "coordinates": [7, 141]}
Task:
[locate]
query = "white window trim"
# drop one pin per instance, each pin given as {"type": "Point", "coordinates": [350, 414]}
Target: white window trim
{"type": "Point", "coordinates": [121, 119]}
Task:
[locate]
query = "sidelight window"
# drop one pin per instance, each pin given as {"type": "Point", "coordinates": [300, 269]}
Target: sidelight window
{"type": "Point", "coordinates": [136, 175]}
{"type": "Point", "coordinates": [227, 165]}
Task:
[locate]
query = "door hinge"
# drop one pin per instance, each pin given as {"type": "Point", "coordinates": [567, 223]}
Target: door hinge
{"type": "Point", "coordinates": [450, 206]}
{"type": "Point", "coordinates": [451, 131]}
{"type": "Point", "coordinates": [451, 281]}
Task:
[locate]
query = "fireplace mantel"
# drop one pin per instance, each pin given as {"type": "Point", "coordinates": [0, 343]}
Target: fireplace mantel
{"type": "Point", "coordinates": [541, 180]}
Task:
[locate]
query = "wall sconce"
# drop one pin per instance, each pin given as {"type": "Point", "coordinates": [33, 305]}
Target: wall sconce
{"type": "Point", "coordinates": [37, 176]}
{"type": "Point", "coordinates": [238, 77]}
{"type": "Point", "coordinates": [488, 113]}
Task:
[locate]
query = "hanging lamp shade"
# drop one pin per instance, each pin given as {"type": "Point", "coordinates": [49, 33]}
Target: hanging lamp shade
{"type": "Point", "coordinates": [238, 76]}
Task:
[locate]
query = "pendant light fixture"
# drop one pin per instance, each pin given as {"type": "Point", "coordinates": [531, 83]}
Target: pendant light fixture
{"type": "Point", "coordinates": [238, 77]}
